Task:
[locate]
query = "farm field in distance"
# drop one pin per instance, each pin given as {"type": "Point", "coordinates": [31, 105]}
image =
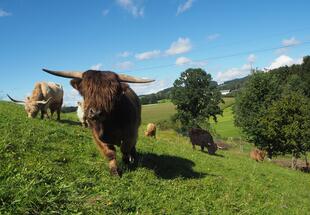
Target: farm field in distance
{"type": "Point", "coordinates": [54, 167]}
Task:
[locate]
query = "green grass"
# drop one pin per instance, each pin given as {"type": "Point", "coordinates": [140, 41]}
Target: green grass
{"type": "Point", "coordinates": [157, 112]}
{"type": "Point", "coordinates": [50, 167]}
{"type": "Point", "coordinates": [225, 127]}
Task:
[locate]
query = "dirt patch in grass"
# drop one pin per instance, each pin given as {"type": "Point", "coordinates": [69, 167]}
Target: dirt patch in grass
{"type": "Point", "coordinates": [301, 164]}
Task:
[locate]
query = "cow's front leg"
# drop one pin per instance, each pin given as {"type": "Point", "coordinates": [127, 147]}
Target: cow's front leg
{"type": "Point", "coordinates": [44, 113]}
{"type": "Point", "coordinates": [109, 152]}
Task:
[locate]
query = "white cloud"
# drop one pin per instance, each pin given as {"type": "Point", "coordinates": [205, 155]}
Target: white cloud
{"type": "Point", "coordinates": [126, 65]}
{"type": "Point", "coordinates": [4, 13]}
{"type": "Point", "coordinates": [124, 54]}
{"type": "Point", "coordinates": [212, 37]}
{"type": "Point", "coordinates": [96, 67]}
{"type": "Point", "coordinates": [148, 55]}
{"type": "Point", "coordinates": [144, 89]}
{"type": "Point", "coordinates": [71, 97]}
{"type": "Point", "coordinates": [182, 45]}
{"type": "Point", "coordinates": [132, 7]}
{"type": "Point", "coordinates": [185, 6]}
{"type": "Point", "coordinates": [233, 73]}
{"type": "Point", "coordinates": [105, 12]}
{"type": "Point", "coordinates": [181, 61]}
{"type": "Point", "coordinates": [290, 42]}
{"type": "Point", "coordinates": [251, 58]}
{"type": "Point", "coordinates": [283, 60]}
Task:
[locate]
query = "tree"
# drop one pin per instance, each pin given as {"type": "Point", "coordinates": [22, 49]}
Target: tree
{"type": "Point", "coordinates": [196, 98]}
{"type": "Point", "coordinates": [251, 105]}
{"type": "Point", "coordinates": [273, 110]}
{"type": "Point", "coordinates": [287, 123]}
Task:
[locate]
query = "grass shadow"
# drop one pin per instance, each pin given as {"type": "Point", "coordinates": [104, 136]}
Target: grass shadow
{"type": "Point", "coordinates": [169, 167]}
{"type": "Point", "coordinates": [70, 122]}
{"type": "Point", "coordinates": [217, 155]}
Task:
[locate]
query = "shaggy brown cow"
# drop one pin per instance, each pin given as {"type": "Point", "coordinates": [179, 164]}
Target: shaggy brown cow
{"type": "Point", "coordinates": [258, 155]}
{"type": "Point", "coordinates": [150, 130]}
{"type": "Point", "coordinates": [112, 110]}
{"type": "Point", "coordinates": [203, 139]}
{"type": "Point", "coordinates": [44, 96]}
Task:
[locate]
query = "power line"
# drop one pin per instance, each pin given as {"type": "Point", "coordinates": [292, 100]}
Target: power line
{"type": "Point", "coordinates": [225, 56]}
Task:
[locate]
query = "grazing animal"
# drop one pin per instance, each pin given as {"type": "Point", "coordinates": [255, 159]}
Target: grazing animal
{"type": "Point", "coordinates": [45, 95]}
{"type": "Point", "coordinates": [80, 113]}
{"type": "Point", "coordinates": [150, 130]}
{"type": "Point", "coordinates": [203, 139]}
{"type": "Point", "coordinates": [112, 110]}
{"type": "Point", "coordinates": [258, 155]}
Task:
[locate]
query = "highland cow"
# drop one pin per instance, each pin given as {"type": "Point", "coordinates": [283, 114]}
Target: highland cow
{"type": "Point", "coordinates": [44, 96]}
{"type": "Point", "coordinates": [203, 139]}
{"type": "Point", "coordinates": [258, 155]}
{"type": "Point", "coordinates": [80, 113]}
{"type": "Point", "coordinates": [112, 109]}
{"type": "Point", "coordinates": [150, 130]}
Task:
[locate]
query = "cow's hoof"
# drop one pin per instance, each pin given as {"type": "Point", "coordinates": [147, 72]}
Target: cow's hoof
{"type": "Point", "coordinates": [116, 172]}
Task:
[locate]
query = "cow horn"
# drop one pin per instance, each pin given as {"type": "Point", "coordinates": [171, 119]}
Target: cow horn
{"type": "Point", "coordinates": [131, 79]}
{"type": "Point", "coordinates": [13, 100]}
{"type": "Point", "coordinates": [69, 74]}
{"type": "Point", "coordinates": [44, 102]}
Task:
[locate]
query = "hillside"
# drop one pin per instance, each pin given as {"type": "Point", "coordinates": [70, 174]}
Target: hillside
{"type": "Point", "coordinates": [50, 167]}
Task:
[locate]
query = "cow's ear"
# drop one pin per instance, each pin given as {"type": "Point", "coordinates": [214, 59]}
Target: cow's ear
{"type": "Point", "coordinates": [75, 83]}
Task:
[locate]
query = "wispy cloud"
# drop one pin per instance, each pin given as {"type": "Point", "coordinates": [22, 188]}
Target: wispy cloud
{"type": "Point", "coordinates": [124, 54]}
{"type": "Point", "coordinates": [144, 89]}
{"type": "Point", "coordinates": [105, 12]}
{"type": "Point", "coordinates": [290, 42]}
{"type": "Point", "coordinates": [148, 55]}
{"type": "Point", "coordinates": [126, 65]}
{"type": "Point", "coordinates": [96, 67]}
{"type": "Point", "coordinates": [184, 61]}
{"type": "Point", "coordinates": [182, 45]}
{"type": "Point", "coordinates": [184, 7]}
{"type": "Point", "coordinates": [212, 37]}
{"type": "Point", "coordinates": [251, 58]}
{"type": "Point", "coordinates": [233, 73]}
{"type": "Point", "coordinates": [132, 6]}
{"type": "Point", "coordinates": [4, 13]}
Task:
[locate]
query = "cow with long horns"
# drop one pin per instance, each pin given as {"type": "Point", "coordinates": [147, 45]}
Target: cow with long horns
{"type": "Point", "coordinates": [44, 96]}
{"type": "Point", "coordinates": [112, 110]}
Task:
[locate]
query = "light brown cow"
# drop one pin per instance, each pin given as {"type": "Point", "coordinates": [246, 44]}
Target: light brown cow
{"type": "Point", "coordinates": [150, 130]}
{"type": "Point", "coordinates": [202, 138]}
{"type": "Point", "coordinates": [44, 96]}
{"type": "Point", "coordinates": [258, 155]}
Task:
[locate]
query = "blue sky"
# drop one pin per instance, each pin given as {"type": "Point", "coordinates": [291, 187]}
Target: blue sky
{"type": "Point", "coordinates": [147, 38]}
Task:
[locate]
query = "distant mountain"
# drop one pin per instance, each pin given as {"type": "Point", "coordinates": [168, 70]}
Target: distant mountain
{"type": "Point", "coordinates": [233, 86]}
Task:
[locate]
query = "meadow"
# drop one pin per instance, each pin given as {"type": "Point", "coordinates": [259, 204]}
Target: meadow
{"type": "Point", "coordinates": [50, 167]}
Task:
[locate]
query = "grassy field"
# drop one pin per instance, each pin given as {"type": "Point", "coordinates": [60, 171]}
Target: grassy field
{"type": "Point", "coordinates": [50, 167]}
{"type": "Point", "coordinates": [224, 127]}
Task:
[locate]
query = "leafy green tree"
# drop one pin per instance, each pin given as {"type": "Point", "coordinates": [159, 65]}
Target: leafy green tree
{"type": "Point", "coordinates": [273, 110]}
{"type": "Point", "coordinates": [287, 123]}
{"type": "Point", "coordinates": [196, 97]}
{"type": "Point", "coordinates": [251, 105]}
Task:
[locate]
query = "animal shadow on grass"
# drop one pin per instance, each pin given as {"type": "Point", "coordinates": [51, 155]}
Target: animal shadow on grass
{"type": "Point", "coordinates": [169, 167]}
{"type": "Point", "coordinates": [217, 155]}
{"type": "Point", "coordinates": [70, 122]}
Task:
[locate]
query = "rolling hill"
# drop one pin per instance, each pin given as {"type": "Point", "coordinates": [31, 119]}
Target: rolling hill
{"type": "Point", "coordinates": [50, 167]}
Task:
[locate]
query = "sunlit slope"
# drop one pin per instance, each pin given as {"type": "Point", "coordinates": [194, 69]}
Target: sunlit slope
{"type": "Point", "coordinates": [50, 167]}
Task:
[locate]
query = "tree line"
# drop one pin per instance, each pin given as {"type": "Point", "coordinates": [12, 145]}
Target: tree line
{"type": "Point", "coordinates": [273, 110]}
